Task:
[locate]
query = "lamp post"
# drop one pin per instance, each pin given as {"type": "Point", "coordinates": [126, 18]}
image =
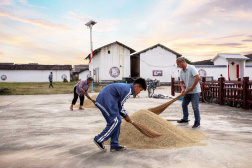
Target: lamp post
{"type": "Point", "coordinates": [90, 24]}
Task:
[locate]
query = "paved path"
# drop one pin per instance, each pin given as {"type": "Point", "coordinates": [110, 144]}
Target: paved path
{"type": "Point", "coordinates": [40, 131]}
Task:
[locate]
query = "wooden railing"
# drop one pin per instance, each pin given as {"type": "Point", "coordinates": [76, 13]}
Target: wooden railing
{"type": "Point", "coordinates": [224, 91]}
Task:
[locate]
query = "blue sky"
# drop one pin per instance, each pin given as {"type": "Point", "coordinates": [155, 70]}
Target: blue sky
{"type": "Point", "coordinates": [53, 31]}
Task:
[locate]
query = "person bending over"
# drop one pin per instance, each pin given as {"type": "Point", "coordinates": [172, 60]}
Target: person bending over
{"type": "Point", "coordinates": [110, 101]}
{"type": "Point", "coordinates": [81, 90]}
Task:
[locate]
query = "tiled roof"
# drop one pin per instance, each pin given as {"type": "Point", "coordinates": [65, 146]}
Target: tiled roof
{"type": "Point", "coordinates": [116, 42]}
{"type": "Point", "coordinates": [34, 67]}
{"type": "Point", "coordinates": [230, 56]}
{"type": "Point", "coordinates": [204, 62]}
{"type": "Point", "coordinates": [249, 57]}
{"type": "Point", "coordinates": [80, 68]}
{"type": "Point", "coordinates": [160, 45]}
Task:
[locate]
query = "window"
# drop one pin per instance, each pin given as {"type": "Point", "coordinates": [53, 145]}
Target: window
{"type": "Point", "coordinates": [108, 51]}
{"type": "Point", "coordinates": [157, 73]}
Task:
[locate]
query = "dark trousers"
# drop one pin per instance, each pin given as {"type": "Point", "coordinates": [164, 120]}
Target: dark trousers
{"type": "Point", "coordinates": [194, 98]}
{"type": "Point", "coordinates": [76, 97]}
{"type": "Point", "coordinates": [50, 84]}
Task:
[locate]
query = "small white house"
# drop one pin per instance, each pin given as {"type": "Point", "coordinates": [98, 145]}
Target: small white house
{"type": "Point", "coordinates": [80, 71]}
{"type": "Point", "coordinates": [235, 64]}
{"type": "Point", "coordinates": [156, 62]}
{"type": "Point", "coordinates": [10, 72]}
{"type": "Point", "coordinates": [110, 62]}
{"type": "Point", "coordinates": [84, 74]}
{"type": "Point", "coordinates": [230, 66]}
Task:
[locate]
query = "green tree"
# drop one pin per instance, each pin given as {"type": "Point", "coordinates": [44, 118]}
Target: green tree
{"type": "Point", "coordinates": [187, 60]}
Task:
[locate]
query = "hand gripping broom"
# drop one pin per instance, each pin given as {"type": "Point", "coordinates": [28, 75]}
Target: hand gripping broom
{"type": "Point", "coordinates": [159, 109]}
{"type": "Point", "coordinates": [146, 130]}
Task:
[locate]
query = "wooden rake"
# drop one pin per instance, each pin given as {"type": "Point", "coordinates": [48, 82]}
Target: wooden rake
{"type": "Point", "coordinates": [159, 109]}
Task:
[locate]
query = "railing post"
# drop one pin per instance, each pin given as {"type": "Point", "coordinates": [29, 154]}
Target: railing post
{"type": "Point", "coordinates": [239, 79]}
{"type": "Point", "coordinates": [202, 87]}
{"type": "Point", "coordinates": [239, 93]}
{"type": "Point", "coordinates": [221, 90]}
{"type": "Point", "coordinates": [245, 93]}
{"type": "Point", "coordinates": [172, 86]}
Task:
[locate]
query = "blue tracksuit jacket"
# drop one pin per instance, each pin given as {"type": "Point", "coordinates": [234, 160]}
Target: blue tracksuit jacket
{"type": "Point", "coordinates": [110, 101]}
{"type": "Point", "coordinates": [112, 98]}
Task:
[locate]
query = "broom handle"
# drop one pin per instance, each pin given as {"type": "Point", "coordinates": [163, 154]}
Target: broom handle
{"type": "Point", "coordinates": [173, 120]}
{"type": "Point", "coordinates": [181, 95]}
{"type": "Point", "coordinates": [169, 102]}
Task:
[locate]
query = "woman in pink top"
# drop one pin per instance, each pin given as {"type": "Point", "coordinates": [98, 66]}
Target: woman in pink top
{"type": "Point", "coordinates": [81, 90]}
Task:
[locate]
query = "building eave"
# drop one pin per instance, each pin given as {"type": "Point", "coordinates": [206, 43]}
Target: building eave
{"type": "Point", "coordinates": [116, 42]}
{"type": "Point", "coordinates": [150, 48]}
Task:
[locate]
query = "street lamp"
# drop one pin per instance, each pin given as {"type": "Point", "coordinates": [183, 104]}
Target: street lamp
{"type": "Point", "coordinates": [90, 24]}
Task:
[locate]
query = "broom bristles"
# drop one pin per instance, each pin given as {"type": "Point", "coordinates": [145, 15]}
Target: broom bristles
{"type": "Point", "coordinates": [146, 130]}
{"type": "Point", "coordinates": [159, 109]}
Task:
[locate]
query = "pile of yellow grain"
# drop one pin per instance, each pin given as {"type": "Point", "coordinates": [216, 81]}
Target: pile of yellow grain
{"type": "Point", "coordinates": [174, 137]}
{"type": "Point", "coordinates": [88, 103]}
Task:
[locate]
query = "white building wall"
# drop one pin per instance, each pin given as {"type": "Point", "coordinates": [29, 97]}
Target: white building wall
{"type": "Point", "coordinates": [220, 61]}
{"type": "Point", "coordinates": [248, 73]}
{"type": "Point", "coordinates": [158, 59]}
{"type": "Point", "coordinates": [96, 63]}
{"type": "Point", "coordinates": [119, 57]}
{"type": "Point", "coordinates": [214, 72]}
{"type": "Point", "coordinates": [33, 75]}
{"type": "Point", "coordinates": [84, 75]}
{"type": "Point", "coordinates": [242, 69]}
{"type": "Point", "coordinates": [248, 62]}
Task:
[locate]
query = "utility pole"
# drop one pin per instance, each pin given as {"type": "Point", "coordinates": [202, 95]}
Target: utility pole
{"type": "Point", "coordinates": [90, 24]}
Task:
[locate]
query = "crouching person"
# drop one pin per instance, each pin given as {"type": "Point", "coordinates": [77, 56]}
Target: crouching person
{"type": "Point", "coordinates": [110, 102]}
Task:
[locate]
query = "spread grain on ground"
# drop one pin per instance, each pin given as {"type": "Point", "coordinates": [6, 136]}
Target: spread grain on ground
{"type": "Point", "coordinates": [174, 137]}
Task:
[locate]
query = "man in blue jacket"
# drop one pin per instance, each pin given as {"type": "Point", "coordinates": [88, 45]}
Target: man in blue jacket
{"type": "Point", "coordinates": [110, 101]}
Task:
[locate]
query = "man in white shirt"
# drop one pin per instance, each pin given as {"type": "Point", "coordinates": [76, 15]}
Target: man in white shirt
{"type": "Point", "coordinates": [189, 80]}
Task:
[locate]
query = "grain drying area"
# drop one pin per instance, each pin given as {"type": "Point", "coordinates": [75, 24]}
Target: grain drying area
{"type": "Point", "coordinates": [40, 131]}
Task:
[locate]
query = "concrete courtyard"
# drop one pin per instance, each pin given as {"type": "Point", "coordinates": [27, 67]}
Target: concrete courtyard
{"type": "Point", "coordinates": [39, 131]}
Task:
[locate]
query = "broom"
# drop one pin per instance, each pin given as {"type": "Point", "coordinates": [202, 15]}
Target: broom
{"type": "Point", "coordinates": [159, 109]}
{"type": "Point", "coordinates": [146, 130]}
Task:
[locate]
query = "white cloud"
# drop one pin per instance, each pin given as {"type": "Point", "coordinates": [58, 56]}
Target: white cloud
{"type": "Point", "coordinates": [37, 22]}
{"type": "Point", "coordinates": [187, 7]}
{"type": "Point", "coordinates": [76, 17]}
{"type": "Point", "coordinates": [238, 15]}
{"type": "Point", "coordinates": [25, 2]}
{"type": "Point", "coordinates": [6, 2]}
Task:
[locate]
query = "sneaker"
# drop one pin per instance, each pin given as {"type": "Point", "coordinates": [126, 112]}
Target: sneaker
{"type": "Point", "coordinates": [182, 121]}
{"type": "Point", "coordinates": [120, 148]}
{"type": "Point", "coordinates": [100, 145]}
{"type": "Point", "coordinates": [196, 125]}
